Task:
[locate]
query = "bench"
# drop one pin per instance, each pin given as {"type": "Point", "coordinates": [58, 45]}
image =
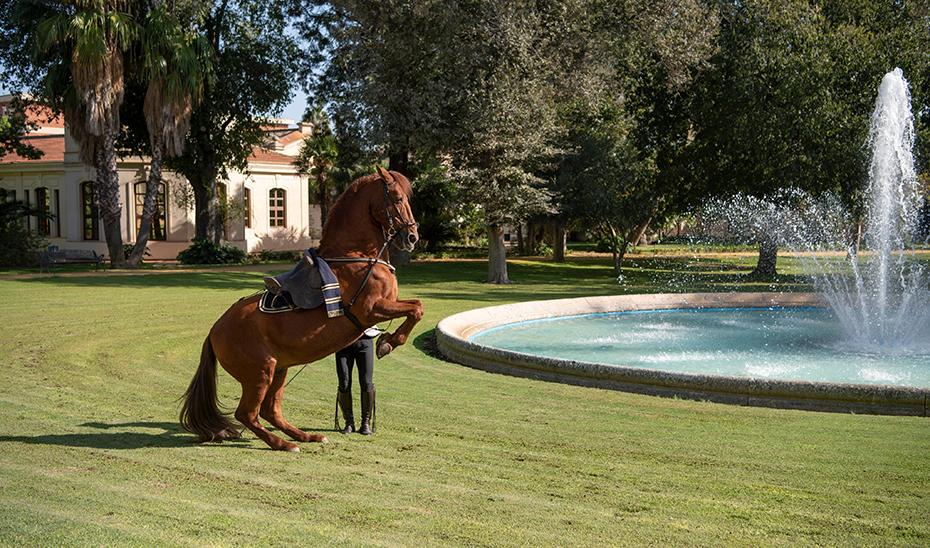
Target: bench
{"type": "Point", "coordinates": [53, 256]}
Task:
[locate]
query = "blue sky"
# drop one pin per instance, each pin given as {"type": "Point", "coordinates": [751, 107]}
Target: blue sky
{"type": "Point", "coordinates": [295, 110]}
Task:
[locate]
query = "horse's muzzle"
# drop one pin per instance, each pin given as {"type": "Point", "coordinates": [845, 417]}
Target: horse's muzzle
{"type": "Point", "coordinates": [410, 240]}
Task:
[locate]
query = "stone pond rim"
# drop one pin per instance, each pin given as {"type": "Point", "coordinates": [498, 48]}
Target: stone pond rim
{"type": "Point", "coordinates": [453, 334]}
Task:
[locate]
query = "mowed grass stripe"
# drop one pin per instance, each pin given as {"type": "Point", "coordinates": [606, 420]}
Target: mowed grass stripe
{"type": "Point", "coordinates": [461, 456]}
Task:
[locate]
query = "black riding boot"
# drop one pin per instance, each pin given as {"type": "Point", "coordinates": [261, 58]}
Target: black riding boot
{"type": "Point", "coordinates": [344, 401]}
{"type": "Point", "coordinates": [368, 412]}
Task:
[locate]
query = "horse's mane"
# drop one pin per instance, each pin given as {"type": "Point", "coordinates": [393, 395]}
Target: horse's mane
{"type": "Point", "coordinates": [347, 196]}
{"type": "Point", "coordinates": [352, 191]}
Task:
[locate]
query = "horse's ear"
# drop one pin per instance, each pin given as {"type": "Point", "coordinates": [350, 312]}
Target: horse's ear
{"type": "Point", "coordinates": [386, 175]}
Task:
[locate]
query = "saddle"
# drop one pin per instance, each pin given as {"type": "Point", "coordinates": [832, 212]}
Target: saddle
{"type": "Point", "coordinates": [309, 284]}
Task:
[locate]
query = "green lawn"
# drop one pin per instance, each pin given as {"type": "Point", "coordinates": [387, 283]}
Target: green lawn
{"type": "Point", "coordinates": [90, 451]}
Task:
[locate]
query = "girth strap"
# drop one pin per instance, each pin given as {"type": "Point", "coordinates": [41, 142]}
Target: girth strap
{"type": "Point", "coordinates": [353, 319]}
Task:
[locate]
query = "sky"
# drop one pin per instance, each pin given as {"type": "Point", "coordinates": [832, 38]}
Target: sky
{"type": "Point", "coordinates": [295, 110]}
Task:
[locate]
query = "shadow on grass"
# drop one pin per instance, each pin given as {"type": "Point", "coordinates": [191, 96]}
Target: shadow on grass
{"type": "Point", "coordinates": [118, 436]}
{"type": "Point", "coordinates": [426, 342]}
{"type": "Point", "coordinates": [236, 281]}
{"type": "Point", "coordinates": [533, 279]}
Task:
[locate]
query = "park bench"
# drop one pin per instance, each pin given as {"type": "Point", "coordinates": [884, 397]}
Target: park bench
{"type": "Point", "coordinates": [53, 256]}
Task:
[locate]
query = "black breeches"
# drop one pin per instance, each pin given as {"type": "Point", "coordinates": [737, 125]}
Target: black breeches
{"type": "Point", "coordinates": [361, 353]}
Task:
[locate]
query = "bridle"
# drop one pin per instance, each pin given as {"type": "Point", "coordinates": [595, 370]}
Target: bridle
{"type": "Point", "coordinates": [390, 234]}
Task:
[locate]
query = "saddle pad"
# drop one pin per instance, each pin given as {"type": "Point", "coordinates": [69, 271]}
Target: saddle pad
{"type": "Point", "coordinates": [309, 284]}
{"type": "Point", "coordinates": [274, 304]}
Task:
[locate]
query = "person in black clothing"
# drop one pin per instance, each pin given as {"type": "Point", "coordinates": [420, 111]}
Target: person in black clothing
{"type": "Point", "coordinates": [361, 353]}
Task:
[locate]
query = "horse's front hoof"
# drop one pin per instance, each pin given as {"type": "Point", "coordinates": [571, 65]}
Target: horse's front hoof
{"type": "Point", "coordinates": [291, 448]}
{"type": "Point", "coordinates": [384, 349]}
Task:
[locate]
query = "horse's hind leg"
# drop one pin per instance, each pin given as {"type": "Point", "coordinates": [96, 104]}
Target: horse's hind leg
{"type": "Point", "coordinates": [271, 410]}
{"type": "Point", "coordinates": [254, 389]}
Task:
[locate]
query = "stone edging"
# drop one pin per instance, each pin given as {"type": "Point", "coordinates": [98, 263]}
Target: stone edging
{"type": "Point", "coordinates": [453, 333]}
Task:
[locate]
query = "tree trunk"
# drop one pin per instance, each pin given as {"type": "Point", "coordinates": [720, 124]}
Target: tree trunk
{"type": "Point", "coordinates": [399, 159]}
{"type": "Point", "coordinates": [619, 255]}
{"type": "Point", "coordinates": [618, 251]}
{"type": "Point", "coordinates": [854, 238]}
{"type": "Point", "coordinates": [216, 218]}
{"type": "Point", "coordinates": [559, 241]}
{"type": "Point", "coordinates": [521, 240]}
{"type": "Point", "coordinates": [532, 242]}
{"type": "Point", "coordinates": [206, 205]}
{"type": "Point", "coordinates": [148, 205]}
{"type": "Point", "coordinates": [323, 197]}
{"type": "Point", "coordinates": [768, 256]}
{"type": "Point", "coordinates": [637, 233]}
{"type": "Point", "coordinates": [497, 256]}
{"type": "Point", "coordinates": [201, 210]}
{"type": "Point", "coordinates": [107, 193]}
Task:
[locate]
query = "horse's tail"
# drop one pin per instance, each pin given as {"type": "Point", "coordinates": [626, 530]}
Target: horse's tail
{"type": "Point", "coordinates": [200, 413]}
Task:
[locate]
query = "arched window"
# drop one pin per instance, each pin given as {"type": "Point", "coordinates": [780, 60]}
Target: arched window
{"type": "Point", "coordinates": [159, 228]}
{"type": "Point", "coordinates": [89, 215]}
{"type": "Point", "coordinates": [247, 197]}
{"type": "Point", "coordinates": [277, 207]}
{"type": "Point", "coordinates": [42, 205]}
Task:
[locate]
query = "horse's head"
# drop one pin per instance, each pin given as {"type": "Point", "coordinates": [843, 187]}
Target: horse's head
{"type": "Point", "coordinates": [393, 212]}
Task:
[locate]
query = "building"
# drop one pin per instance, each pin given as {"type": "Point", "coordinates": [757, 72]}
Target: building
{"type": "Point", "coordinates": [268, 206]}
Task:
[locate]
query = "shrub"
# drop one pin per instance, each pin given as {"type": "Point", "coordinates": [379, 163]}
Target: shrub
{"type": "Point", "coordinates": [604, 245]}
{"type": "Point", "coordinates": [127, 251]}
{"type": "Point", "coordinates": [19, 246]}
{"type": "Point", "coordinates": [207, 252]}
{"type": "Point", "coordinates": [270, 256]}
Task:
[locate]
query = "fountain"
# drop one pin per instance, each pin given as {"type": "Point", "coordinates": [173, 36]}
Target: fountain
{"type": "Point", "coordinates": [862, 344]}
{"type": "Point", "coordinates": [883, 306]}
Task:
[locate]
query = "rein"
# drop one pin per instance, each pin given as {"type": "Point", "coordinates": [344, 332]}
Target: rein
{"type": "Point", "coordinates": [390, 234]}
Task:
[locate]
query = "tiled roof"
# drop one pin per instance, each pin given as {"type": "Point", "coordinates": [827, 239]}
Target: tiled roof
{"type": "Point", "coordinates": [42, 117]}
{"type": "Point", "coordinates": [291, 137]}
{"type": "Point", "coordinates": [53, 147]}
{"type": "Point", "coordinates": [265, 156]}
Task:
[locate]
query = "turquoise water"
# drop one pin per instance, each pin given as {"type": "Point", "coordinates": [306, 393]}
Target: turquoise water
{"type": "Point", "coordinates": [804, 344]}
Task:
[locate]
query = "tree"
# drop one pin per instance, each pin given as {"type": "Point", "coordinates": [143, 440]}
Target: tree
{"type": "Point", "coordinates": [603, 184]}
{"type": "Point", "coordinates": [628, 125]}
{"type": "Point", "coordinates": [175, 68]}
{"type": "Point", "coordinates": [383, 68]}
{"type": "Point", "coordinates": [508, 121]}
{"type": "Point", "coordinates": [787, 98]}
{"type": "Point", "coordinates": [469, 81]}
{"type": "Point", "coordinates": [18, 244]}
{"type": "Point", "coordinates": [253, 59]}
{"type": "Point", "coordinates": [317, 157]}
{"type": "Point", "coordinates": [95, 34]}
{"type": "Point", "coordinates": [13, 127]}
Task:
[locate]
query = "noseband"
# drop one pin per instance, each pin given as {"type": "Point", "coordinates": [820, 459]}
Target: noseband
{"type": "Point", "coordinates": [391, 232]}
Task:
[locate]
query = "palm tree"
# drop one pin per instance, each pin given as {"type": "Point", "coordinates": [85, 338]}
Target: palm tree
{"type": "Point", "coordinates": [97, 33]}
{"type": "Point", "coordinates": [173, 65]}
{"type": "Point", "coordinates": [317, 158]}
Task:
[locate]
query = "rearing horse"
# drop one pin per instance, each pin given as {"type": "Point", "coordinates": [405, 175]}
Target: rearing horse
{"type": "Point", "coordinates": [258, 348]}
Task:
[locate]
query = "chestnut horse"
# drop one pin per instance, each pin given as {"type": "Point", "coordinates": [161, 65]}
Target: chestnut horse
{"type": "Point", "coordinates": [258, 348]}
